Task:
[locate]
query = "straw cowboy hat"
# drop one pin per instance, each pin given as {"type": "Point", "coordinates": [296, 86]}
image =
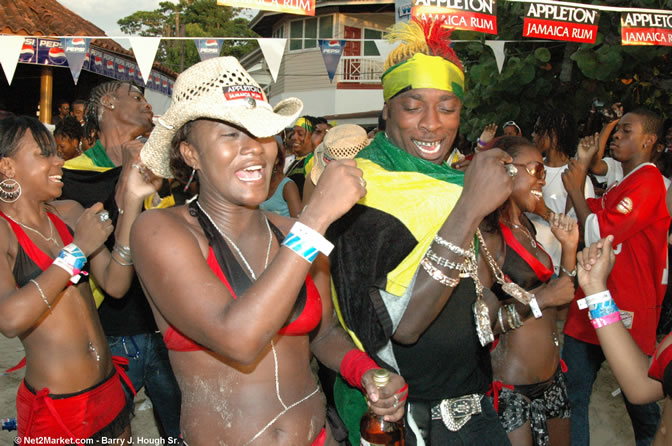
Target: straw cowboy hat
{"type": "Point", "coordinates": [218, 88]}
{"type": "Point", "coordinates": [341, 142]}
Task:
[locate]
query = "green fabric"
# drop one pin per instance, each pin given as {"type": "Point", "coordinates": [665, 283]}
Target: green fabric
{"type": "Point", "coordinates": [390, 157]}
{"type": "Point", "coordinates": [351, 406]}
{"type": "Point", "coordinates": [98, 155]}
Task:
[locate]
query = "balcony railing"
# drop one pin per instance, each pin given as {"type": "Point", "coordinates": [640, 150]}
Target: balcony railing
{"type": "Point", "coordinates": [360, 69]}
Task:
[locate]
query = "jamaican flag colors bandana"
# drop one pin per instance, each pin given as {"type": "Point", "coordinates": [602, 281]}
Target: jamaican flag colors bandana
{"type": "Point", "coordinates": [423, 71]}
{"type": "Point", "coordinates": [382, 239]}
{"type": "Point", "coordinates": [303, 122]}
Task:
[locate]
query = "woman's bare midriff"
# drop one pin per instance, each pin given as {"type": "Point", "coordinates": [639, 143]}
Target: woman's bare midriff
{"type": "Point", "coordinates": [57, 348]}
{"type": "Point", "coordinates": [224, 403]}
{"type": "Point", "coordinates": [529, 354]}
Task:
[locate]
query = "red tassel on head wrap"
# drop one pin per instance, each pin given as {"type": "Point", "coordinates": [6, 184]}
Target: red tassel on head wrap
{"type": "Point", "coordinates": [437, 36]}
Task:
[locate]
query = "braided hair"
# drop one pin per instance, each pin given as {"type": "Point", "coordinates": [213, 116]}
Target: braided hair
{"type": "Point", "coordinates": [561, 125]}
{"type": "Point", "coordinates": [93, 111]}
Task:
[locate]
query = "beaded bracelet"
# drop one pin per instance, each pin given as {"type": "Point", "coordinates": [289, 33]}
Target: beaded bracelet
{"type": "Point", "coordinates": [606, 320]}
{"type": "Point", "coordinates": [71, 259]}
{"type": "Point", "coordinates": [307, 242]}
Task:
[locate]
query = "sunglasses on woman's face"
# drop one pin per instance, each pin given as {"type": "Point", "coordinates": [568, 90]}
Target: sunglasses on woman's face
{"type": "Point", "coordinates": [535, 168]}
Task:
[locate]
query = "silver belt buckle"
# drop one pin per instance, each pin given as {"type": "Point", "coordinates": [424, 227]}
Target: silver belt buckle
{"type": "Point", "coordinates": [456, 412]}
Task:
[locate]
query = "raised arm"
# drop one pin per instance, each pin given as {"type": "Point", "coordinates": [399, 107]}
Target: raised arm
{"type": "Point", "coordinates": [171, 265]}
{"type": "Point", "coordinates": [21, 309]}
{"type": "Point", "coordinates": [486, 186]}
{"type": "Point", "coordinates": [629, 364]}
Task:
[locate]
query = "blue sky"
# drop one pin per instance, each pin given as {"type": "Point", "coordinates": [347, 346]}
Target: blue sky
{"type": "Point", "coordinates": [105, 13]}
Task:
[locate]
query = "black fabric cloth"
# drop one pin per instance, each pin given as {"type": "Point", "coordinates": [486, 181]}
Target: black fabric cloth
{"type": "Point", "coordinates": [131, 314]}
{"type": "Point", "coordinates": [366, 316]}
{"type": "Point", "coordinates": [519, 271]}
{"type": "Point", "coordinates": [447, 361]}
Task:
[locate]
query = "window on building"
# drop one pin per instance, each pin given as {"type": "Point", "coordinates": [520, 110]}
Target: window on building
{"type": "Point", "coordinates": [279, 32]}
{"type": "Point", "coordinates": [370, 48]}
{"type": "Point", "coordinates": [304, 33]}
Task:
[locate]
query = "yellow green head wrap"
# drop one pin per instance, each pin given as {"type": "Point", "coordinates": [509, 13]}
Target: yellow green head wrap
{"type": "Point", "coordinates": [305, 123]}
{"type": "Point", "coordinates": [422, 71]}
{"type": "Point", "coordinates": [425, 59]}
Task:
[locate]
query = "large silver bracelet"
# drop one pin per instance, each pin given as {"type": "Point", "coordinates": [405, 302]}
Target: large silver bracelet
{"type": "Point", "coordinates": [453, 248]}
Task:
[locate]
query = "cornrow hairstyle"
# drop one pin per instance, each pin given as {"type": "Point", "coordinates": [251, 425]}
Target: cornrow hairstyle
{"type": "Point", "coordinates": [70, 128]}
{"type": "Point", "coordinates": [651, 123]}
{"type": "Point", "coordinates": [13, 128]}
{"type": "Point", "coordinates": [93, 111]}
{"type": "Point", "coordinates": [561, 125]}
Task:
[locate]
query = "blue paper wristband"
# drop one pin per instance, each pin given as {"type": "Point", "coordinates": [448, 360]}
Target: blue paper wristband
{"type": "Point", "coordinates": [602, 309]}
{"type": "Point", "coordinates": [299, 246]}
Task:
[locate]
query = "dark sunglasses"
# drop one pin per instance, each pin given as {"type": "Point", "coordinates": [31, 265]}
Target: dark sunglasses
{"type": "Point", "coordinates": [535, 168]}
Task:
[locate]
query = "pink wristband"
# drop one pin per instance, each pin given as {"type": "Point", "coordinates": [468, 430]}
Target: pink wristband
{"type": "Point", "coordinates": [354, 365]}
{"type": "Point", "coordinates": [606, 320]}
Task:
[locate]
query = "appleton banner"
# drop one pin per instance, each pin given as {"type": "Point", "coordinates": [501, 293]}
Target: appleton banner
{"type": "Point", "coordinates": [646, 29]}
{"type": "Point", "coordinates": [470, 15]}
{"type": "Point", "coordinates": [300, 7]}
{"type": "Point", "coordinates": [561, 22]}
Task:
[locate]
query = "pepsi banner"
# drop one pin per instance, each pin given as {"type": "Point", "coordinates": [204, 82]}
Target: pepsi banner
{"type": "Point", "coordinates": [331, 53]}
{"type": "Point", "coordinates": [76, 52]}
{"type": "Point", "coordinates": [645, 29]}
{"type": "Point", "coordinates": [208, 48]}
{"type": "Point", "coordinates": [59, 52]}
{"type": "Point", "coordinates": [470, 15]}
{"type": "Point", "coordinates": [561, 22]}
{"type": "Point", "coordinates": [300, 7]}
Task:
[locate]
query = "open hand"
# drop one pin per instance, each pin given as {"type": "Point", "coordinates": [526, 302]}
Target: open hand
{"type": "Point", "coordinates": [566, 230]}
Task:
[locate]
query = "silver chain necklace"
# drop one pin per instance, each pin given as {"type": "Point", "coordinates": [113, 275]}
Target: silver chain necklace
{"type": "Point", "coordinates": [238, 251]}
{"type": "Point", "coordinates": [51, 231]}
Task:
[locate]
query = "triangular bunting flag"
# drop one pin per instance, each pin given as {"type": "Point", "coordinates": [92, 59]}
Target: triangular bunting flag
{"type": "Point", "coordinates": [144, 49]}
{"type": "Point", "coordinates": [331, 53]}
{"type": "Point", "coordinates": [273, 50]}
{"type": "Point", "coordinates": [208, 48]}
{"type": "Point", "coordinates": [498, 49]}
{"type": "Point", "coordinates": [385, 47]}
{"type": "Point", "coordinates": [76, 49]}
{"type": "Point", "coordinates": [10, 47]}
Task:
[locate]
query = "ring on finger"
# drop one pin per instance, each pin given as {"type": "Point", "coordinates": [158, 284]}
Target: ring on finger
{"type": "Point", "coordinates": [396, 400]}
{"type": "Point", "coordinates": [511, 170]}
{"type": "Point", "coordinates": [362, 181]}
{"type": "Point", "coordinates": [103, 216]}
{"type": "Point", "coordinates": [135, 166]}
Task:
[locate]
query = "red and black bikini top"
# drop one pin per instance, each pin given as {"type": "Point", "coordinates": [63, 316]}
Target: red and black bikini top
{"type": "Point", "coordinates": [307, 311]}
{"type": "Point", "coordinates": [31, 260]}
{"type": "Point", "coordinates": [521, 266]}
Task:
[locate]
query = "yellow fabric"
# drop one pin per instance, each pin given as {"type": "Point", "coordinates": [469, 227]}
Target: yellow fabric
{"type": "Point", "coordinates": [422, 71]}
{"type": "Point", "coordinates": [309, 165]}
{"type": "Point", "coordinates": [83, 162]}
{"type": "Point", "coordinates": [420, 202]}
{"type": "Point", "coordinates": [303, 122]}
{"type": "Point", "coordinates": [334, 299]}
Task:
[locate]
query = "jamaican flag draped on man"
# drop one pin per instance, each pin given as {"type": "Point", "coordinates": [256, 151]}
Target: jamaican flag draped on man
{"type": "Point", "coordinates": [385, 236]}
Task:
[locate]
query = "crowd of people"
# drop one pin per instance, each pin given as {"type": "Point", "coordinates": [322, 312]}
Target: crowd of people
{"type": "Point", "coordinates": [252, 267]}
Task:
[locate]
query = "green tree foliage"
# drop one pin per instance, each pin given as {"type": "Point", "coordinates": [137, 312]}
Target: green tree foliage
{"type": "Point", "coordinates": [196, 18]}
{"type": "Point", "coordinates": [541, 76]}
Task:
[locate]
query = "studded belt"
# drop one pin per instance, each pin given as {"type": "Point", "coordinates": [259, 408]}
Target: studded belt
{"type": "Point", "coordinates": [456, 412]}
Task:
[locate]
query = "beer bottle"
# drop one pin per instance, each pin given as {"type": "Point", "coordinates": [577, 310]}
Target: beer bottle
{"type": "Point", "coordinates": [374, 430]}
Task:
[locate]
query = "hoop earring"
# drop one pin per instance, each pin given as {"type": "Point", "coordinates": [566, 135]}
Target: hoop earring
{"type": "Point", "coordinates": [10, 190]}
{"type": "Point", "coordinates": [191, 178]}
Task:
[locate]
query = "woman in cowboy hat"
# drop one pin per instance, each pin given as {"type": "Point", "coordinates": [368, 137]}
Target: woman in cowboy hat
{"type": "Point", "coordinates": [72, 390]}
{"type": "Point", "coordinates": [240, 309]}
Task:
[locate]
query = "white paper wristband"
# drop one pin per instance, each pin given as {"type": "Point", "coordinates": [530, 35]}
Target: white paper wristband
{"type": "Point", "coordinates": [602, 296]}
{"type": "Point", "coordinates": [313, 237]}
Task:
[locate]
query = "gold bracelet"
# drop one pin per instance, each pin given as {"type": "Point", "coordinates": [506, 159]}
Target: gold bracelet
{"type": "Point", "coordinates": [39, 289]}
{"type": "Point", "coordinates": [438, 275]}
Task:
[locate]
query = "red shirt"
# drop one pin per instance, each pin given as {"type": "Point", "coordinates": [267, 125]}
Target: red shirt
{"type": "Point", "coordinates": [634, 212]}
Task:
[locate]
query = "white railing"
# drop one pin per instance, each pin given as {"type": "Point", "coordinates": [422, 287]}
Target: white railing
{"type": "Point", "coordinates": [361, 69]}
